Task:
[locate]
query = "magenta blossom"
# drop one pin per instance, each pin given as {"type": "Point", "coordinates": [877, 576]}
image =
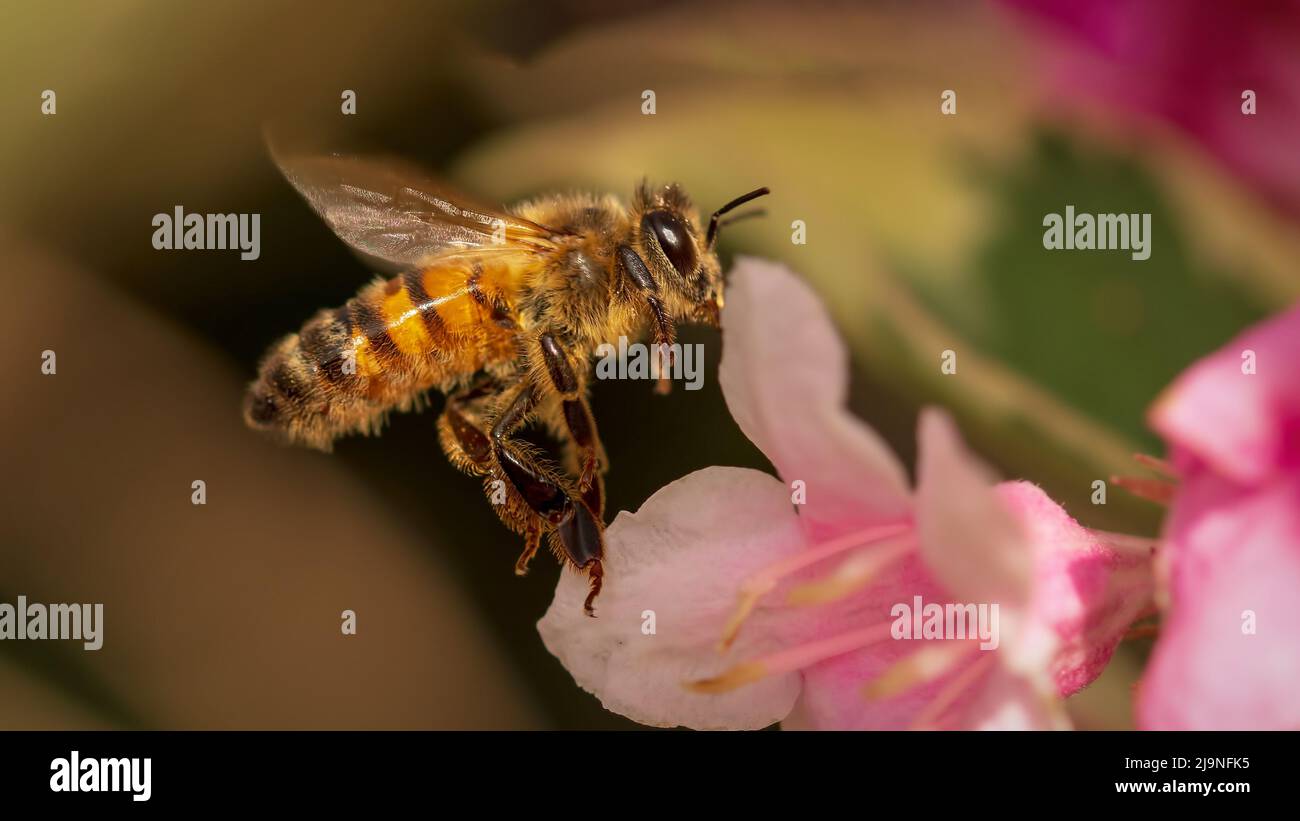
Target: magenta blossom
{"type": "Point", "coordinates": [855, 607]}
{"type": "Point", "coordinates": [1187, 65]}
{"type": "Point", "coordinates": [1229, 651]}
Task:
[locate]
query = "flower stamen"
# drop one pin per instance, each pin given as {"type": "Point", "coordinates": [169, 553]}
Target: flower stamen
{"type": "Point", "coordinates": [760, 584]}
{"type": "Point", "coordinates": [852, 575]}
{"type": "Point", "coordinates": [1157, 464]}
{"type": "Point", "coordinates": [921, 667]}
{"type": "Point", "coordinates": [790, 659]}
{"type": "Point", "coordinates": [1160, 491]}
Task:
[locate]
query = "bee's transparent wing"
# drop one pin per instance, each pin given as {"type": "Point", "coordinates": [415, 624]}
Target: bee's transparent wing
{"type": "Point", "coordinates": [391, 212]}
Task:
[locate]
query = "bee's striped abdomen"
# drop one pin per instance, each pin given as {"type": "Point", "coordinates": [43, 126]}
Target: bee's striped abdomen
{"type": "Point", "coordinates": [391, 342]}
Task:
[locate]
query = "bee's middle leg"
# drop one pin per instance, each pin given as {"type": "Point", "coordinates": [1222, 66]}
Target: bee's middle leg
{"type": "Point", "coordinates": [576, 426]}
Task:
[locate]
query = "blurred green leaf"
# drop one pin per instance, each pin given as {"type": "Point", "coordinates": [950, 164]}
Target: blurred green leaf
{"type": "Point", "coordinates": [1099, 329]}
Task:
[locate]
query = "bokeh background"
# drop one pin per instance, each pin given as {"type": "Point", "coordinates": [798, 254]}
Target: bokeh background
{"type": "Point", "coordinates": [923, 234]}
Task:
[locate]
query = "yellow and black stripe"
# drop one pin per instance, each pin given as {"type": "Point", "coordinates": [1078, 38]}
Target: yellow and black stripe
{"type": "Point", "coordinates": [392, 341]}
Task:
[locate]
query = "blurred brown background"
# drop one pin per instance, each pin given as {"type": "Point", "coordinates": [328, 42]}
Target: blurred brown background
{"type": "Point", "coordinates": [227, 615]}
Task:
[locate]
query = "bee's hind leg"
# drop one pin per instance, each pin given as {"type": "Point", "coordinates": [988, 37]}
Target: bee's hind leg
{"type": "Point", "coordinates": [468, 446]}
{"type": "Point", "coordinates": [527, 495]}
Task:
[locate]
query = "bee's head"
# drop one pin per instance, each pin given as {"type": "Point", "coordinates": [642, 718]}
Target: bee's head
{"type": "Point", "coordinates": [682, 260]}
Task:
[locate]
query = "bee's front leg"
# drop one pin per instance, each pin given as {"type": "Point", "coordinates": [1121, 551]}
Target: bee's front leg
{"type": "Point", "coordinates": [665, 332]}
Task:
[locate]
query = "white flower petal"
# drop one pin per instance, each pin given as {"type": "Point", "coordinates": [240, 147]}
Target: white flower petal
{"type": "Point", "coordinates": [679, 561]}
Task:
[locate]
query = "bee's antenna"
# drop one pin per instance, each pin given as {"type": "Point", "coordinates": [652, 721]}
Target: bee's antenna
{"type": "Point", "coordinates": [743, 215]}
{"type": "Point", "coordinates": [712, 235]}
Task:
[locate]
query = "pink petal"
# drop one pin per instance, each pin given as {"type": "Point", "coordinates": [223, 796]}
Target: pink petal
{"type": "Point", "coordinates": [683, 556]}
{"type": "Point", "coordinates": [1087, 591]}
{"type": "Point", "coordinates": [1234, 550]}
{"type": "Point", "coordinates": [1157, 62]}
{"type": "Point", "coordinates": [971, 541]}
{"type": "Point", "coordinates": [784, 373]}
{"type": "Point", "coordinates": [1246, 426]}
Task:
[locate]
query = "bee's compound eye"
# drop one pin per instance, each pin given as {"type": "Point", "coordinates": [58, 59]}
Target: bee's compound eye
{"type": "Point", "coordinates": [672, 237]}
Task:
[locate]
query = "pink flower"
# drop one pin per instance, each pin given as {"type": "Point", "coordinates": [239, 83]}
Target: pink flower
{"type": "Point", "coordinates": [727, 606]}
{"type": "Point", "coordinates": [1188, 65]}
{"type": "Point", "coordinates": [1229, 650]}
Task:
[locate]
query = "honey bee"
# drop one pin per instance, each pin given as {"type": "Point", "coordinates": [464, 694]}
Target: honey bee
{"type": "Point", "coordinates": [502, 310]}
